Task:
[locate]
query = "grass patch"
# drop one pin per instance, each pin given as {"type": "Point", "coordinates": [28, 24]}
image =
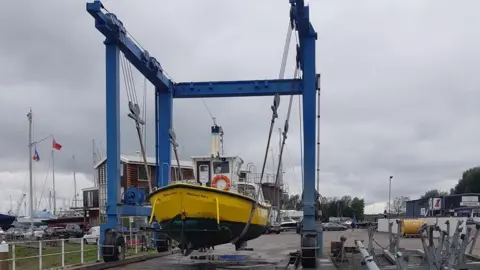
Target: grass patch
{"type": "Point", "coordinates": [26, 256]}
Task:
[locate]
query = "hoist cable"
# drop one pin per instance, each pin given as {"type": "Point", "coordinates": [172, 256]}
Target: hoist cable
{"type": "Point", "coordinates": [274, 107]}
{"type": "Point", "coordinates": [135, 110]}
{"type": "Point", "coordinates": [284, 133]}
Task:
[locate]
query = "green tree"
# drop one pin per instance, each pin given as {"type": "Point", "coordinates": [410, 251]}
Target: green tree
{"type": "Point", "coordinates": [434, 193]}
{"type": "Point", "coordinates": [292, 203]}
{"type": "Point", "coordinates": [358, 208]}
{"type": "Point", "coordinates": [398, 206]}
{"type": "Point", "coordinates": [469, 183]}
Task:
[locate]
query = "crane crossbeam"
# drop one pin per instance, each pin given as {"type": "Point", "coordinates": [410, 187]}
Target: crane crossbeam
{"type": "Point", "coordinates": [114, 31]}
{"type": "Point", "coordinates": [238, 88]}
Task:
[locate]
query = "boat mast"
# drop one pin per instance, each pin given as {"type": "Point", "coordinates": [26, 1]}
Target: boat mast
{"type": "Point", "coordinates": [94, 162]}
{"type": "Point", "coordinates": [74, 184]}
{"type": "Point", "coordinates": [30, 165]}
{"type": "Point", "coordinates": [280, 176]}
{"type": "Point", "coordinates": [53, 184]}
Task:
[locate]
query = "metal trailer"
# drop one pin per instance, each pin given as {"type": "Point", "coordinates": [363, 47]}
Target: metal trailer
{"type": "Point", "coordinates": [448, 252]}
{"type": "Point", "coordinates": [118, 40]}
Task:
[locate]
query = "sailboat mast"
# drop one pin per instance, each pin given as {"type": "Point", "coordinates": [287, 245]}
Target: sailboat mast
{"type": "Point", "coordinates": [53, 184]}
{"type": "Point", "coordinates": [74, 184]}
{"type": "Point", "coordinates": [280, 182]}
{"type": "Point", "coordinates": [50, 200]}
{"type": "Point", "coordinates": [94, 161]}
{"type": "Point", "coordinates": [30, 165]}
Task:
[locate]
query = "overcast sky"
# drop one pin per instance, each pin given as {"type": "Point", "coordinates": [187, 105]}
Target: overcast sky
{"type": "Point", "coordinates": [399, 88]}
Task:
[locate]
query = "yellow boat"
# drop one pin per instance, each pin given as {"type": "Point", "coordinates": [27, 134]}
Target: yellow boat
{"type": "Point", "coordinates": [212, 209]}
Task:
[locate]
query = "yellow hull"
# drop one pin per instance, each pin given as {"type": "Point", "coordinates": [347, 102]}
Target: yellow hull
{"type": "Point", "coordinates": [219, 214]}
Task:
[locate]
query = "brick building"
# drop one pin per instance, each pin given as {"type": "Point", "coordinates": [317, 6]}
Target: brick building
{"type": "Point", "coordinates": [132, 174]}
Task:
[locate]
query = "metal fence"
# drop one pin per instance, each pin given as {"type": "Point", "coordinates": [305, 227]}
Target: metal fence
{"type": "Point", "coordinates": [57, 253]}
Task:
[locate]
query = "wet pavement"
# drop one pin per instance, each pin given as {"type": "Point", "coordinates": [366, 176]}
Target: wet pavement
{"type": "Point", "coordinates": [269, 250]}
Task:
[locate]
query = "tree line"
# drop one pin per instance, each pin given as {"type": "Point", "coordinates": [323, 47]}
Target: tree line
{"type": "Point", "coordinates": [345, 206]}
{"type": "Point", "coordinates": [468, 183]}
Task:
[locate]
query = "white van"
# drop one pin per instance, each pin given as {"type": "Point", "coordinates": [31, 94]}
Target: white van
{"type": "Point", "coordinates": [92, 236]}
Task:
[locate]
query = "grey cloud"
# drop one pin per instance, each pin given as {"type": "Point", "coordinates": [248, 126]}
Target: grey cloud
{"type": "Point", "coordinates": [398, 84]}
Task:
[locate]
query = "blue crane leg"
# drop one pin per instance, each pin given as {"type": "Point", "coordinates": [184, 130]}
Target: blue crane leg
{"type": "Point", "coordinates": [164, 123]}
{"type": "Point", "coordinates": [113, 136]}
{"type": "Point", "coordinates": [309, 130]}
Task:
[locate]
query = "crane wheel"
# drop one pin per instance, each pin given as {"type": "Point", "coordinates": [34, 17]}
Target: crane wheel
{"type": "Point", "coordinates": [114, 247]}
{"type": "Point", "coordinates": [308, 254]}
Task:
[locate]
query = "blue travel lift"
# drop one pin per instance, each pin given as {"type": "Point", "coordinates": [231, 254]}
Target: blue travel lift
{"type": "Point", "coordinates": [117, 40]}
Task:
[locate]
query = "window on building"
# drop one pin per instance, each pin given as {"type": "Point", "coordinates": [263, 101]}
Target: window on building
{"type": "Point", "coordinates": [221, 167]}
{"type": "Point", "coordinates": [142, 173]}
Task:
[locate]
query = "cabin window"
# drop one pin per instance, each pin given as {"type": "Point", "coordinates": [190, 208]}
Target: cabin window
{"type": "Point", "coordinates": [221, 167]}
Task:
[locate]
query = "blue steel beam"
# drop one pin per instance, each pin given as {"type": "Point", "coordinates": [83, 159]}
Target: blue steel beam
{"type": "Point", "coordinates": [163, 147]}
{"type": "Point", "coordinates": [306, 50]}
{"type": "Point", "coordinates": [238, 88]}
{"type": "Point", "coordinates": [113, 29]}
{"type": "Point", "coordinates": [112, 53]}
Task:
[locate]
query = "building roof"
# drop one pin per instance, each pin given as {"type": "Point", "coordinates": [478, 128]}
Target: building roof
{"type": "Point", "coordinates": [137, 159]}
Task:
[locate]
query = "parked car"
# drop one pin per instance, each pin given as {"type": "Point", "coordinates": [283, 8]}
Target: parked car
{"type": "Point", "coordinates": [14, 233]}
{"type": "Point", "coordinates": [334, 227]}
{"type": "Point", "coordinates": [36, 233]}
{"type": "Point", "coordinates": [92, 236]}
{"type": "Point", "coordinates": [56, 232]}
{"type": "Point", "coordinates": [74, 230]}
{"type": "Point", "coordinates": [288, 223]}
{"type": "Point", "coordinates": [273, 228]}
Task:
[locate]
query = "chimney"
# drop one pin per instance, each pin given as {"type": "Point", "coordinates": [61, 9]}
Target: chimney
{"type": "Point", "coordinates": [215, 141]}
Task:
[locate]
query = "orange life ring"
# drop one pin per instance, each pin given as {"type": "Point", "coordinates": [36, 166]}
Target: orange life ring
{"type": "Point", "coordinates": [221, 177]}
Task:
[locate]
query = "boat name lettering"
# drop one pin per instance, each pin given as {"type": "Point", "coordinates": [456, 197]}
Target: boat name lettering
{"type": "Point", "coordinates": [197, 195]}
{"type": "Point", "coordinates": [169, 194]}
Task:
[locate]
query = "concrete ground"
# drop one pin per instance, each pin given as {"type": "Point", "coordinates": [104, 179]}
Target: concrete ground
{"type": "Point", "coordinates": [273, 248]}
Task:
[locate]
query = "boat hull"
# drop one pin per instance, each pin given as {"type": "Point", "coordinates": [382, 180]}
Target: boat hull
{"type": "Point", "coordinates": [205, 216]}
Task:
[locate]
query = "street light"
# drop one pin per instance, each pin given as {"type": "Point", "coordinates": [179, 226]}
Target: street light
{"type": "Point", "coordinates": [389, 193]}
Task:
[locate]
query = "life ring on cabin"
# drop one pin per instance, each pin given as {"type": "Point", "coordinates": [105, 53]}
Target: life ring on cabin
{"type": "Point", "coordinates": [221, 177]}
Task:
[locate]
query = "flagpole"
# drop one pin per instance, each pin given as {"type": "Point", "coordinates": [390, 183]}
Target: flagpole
{"type": "Point", "coordinates": [30, 158]}
{"type": "Point", "coordinates": [53, 182]}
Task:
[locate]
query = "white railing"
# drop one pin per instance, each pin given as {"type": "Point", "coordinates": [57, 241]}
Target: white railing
{"type": "Point", "coordinates": [58, 253]}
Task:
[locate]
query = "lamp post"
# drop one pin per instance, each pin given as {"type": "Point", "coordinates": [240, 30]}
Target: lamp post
{"type": "Point", "coordinates": [389, 194]}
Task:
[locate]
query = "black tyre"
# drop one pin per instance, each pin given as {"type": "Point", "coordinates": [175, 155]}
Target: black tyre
{"type": "Point", "coordinates": [308, 256]}
{"type": "Point", "coordinates": [163, 244]}
{"type": "Point", "coordinates": [114, 247]}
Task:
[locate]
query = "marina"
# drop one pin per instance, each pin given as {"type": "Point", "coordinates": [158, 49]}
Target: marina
{"type": "Point", "coordinates": [225, 202]}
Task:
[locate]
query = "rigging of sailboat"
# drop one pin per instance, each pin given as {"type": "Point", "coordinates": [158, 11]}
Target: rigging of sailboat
{"type": "Point", "coordinates": [35, 156]}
